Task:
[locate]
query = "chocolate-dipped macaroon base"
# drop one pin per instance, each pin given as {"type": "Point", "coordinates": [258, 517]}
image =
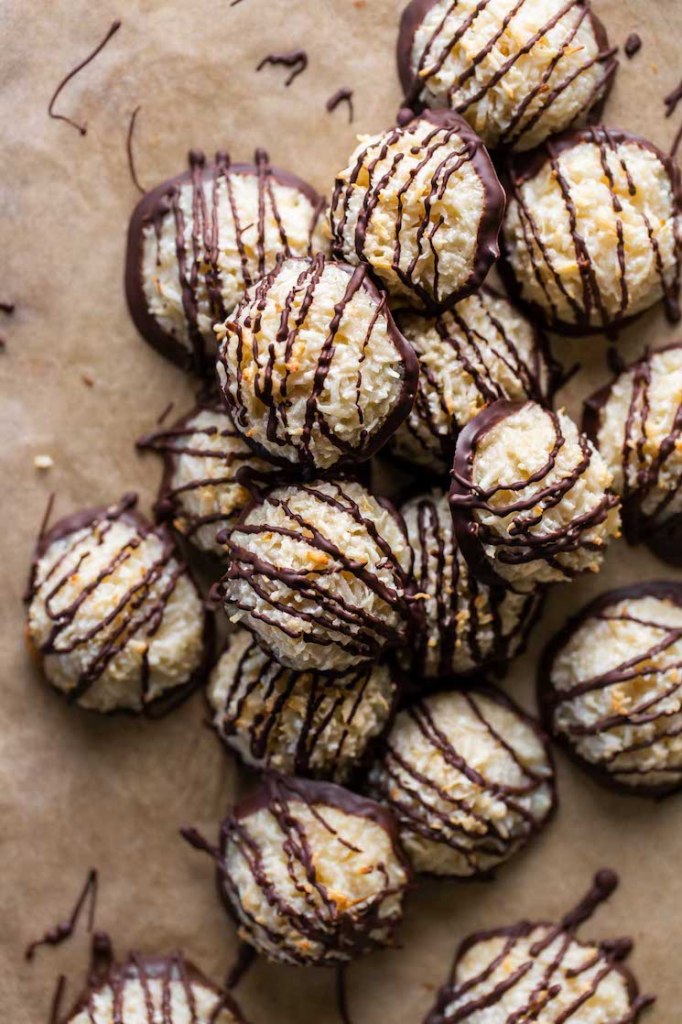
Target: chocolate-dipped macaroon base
{"type": "Point", "coordinates": [517, 71]}
{"type": "Point", "coordinates": [540, 971]}
{"type": "Point", "coordinates": [199, 240]}
{"type": "Point", "coordinates": [421, 205]}
{"type": "Point", "coordinates": [592, 234]}
{"type": "Point", "coordinates": [114, 617]}
{"type": "Point", "coordinates": [610, 688]}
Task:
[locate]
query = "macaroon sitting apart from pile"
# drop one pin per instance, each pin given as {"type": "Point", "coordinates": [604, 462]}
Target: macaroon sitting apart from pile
{"type": "Point", "coordinates": [359, 633]}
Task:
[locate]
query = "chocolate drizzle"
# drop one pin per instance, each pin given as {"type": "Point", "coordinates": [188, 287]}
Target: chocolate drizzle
{"type": "Point", "coordinates": [129, 151]}
{"type": "Point", "coordinates": [445, 811]}
{"type": "Point", "coordinates": [642, 716]}
{"type": "Point", "coordinates": [135, 617]}
{"type": "Point", "coordinates": [263, 696]}
{"type": "Point", "coordinates": [65, 929]}
{"type": "Point", "coordinates": [115, 26]}
{"type": "Point", "coordinates": [326, 927]}
{"type": "Point", "coordinates": [633, 44]}
{"type": "Point", "coordinates": [466, 90]}
{"type": "Point", "coordinates": [464, 625]}
{"type": "Point", "coordinates": [229, 470]}
{"type": "Point", "coordinates": [649, 513]}
{"type": "Point", "coordinates": [199, 246]}
{"type": "Point", "coordinates": [590, 312]}
{"type": "Point", "coordinates": [519, 542]}
{"type": "Point", "coordinates": [248, 344]}
{"type": "Point", "coordinates": [170, 987]}
{"type": "Point", "coordinates": [343, 95]}
{"type": "Point", "coordinates": [518, 985]}
{"type": "Point", "coordinates": [297, 60]}
{"type": "Point", "coordinates": [308, 604]}
{"type": "Point", "coordinates": [451, 142]}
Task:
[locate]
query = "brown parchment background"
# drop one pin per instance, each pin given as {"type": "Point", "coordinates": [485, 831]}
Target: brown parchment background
{"type": "Point", "coordinates": [76, 790]}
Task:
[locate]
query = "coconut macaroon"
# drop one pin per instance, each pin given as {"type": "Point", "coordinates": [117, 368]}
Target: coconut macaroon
{"type": "Point", "coordinates": [464, 625]}
{"type": "Point", "coordinates": [636, 423]}
{"type": "Point", "coordinates": [208, 470]}
{"type": "Point", "coordinates": [517, 72]}
{"type": "Point", "coordinates": [420, 205]}
{"type": "Point", "coordinates": [541, 972]}
{"type": "Point", "coordinates": [591, 235]}
{"type": "Point", "coordinates": [197, 241]}
{"type": "Point", "coordinates": [312, 366]}
{"type": "Point", "coordinates": [313, 873]}
{"type": "Point", "coordinates": [610, 686]}
{"type": "Point", "coordinates": [114, 618]}
{"type": "Point", "coordinates": [469, 778]}
{"type": "Point", "coordinates": [144, 989]}
{"type": "Point", "coordinates": [478, 352]}
{"type": "Point", "coordinates": [298, 723]}
{"type": "Point", "coordinates": [531, 497]}
{"type": "Point", "coordinates": [319, 574]}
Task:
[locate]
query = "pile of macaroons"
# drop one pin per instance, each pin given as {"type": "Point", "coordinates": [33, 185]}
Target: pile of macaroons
{"type": "Point", "coordinates": [325, 333]}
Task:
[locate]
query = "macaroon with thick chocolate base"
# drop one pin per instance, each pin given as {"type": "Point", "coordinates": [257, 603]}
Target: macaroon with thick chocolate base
{"type": "Point", "coordinates": [469, 778]}
{"type": "Point", "coordinates": [199, 240]}
{"type": "Point", "coordinates": [517, 70]}
{"type": "Point", "coordinates": [542, 972]}
{"type": "Point", "coordinates": [115, 620]}
{"type": "Point", "coordinates": [463, 625]}
{"type": "Point", "coordinates": [209, 474]}
{"type": "Point", "coordinates": [531, 497]}
{"type": "Point", "coordinates": [421, 206]}
{"type": "Point", "coordinates": [636, 423]}
{"type": "Point", "coordinates": [610, 688]}
{"type": "Point", "coordinates": [313, 874]}
{"type": "Point", "coordinates": [480, 351]}
{"type": "Point", "coordinates": [310, 723]}
{"type": "Point", "coordinates": [312, 366]}
{"type": "Point", "coordinates": [146, 989]}
{"type": "Point", "coordinates": [319, 574]}
{"type": "Point", "coordinates": [592, 233]}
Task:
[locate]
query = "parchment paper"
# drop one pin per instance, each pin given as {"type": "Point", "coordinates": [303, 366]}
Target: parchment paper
{"type": "Point", "coordinates": [77, 791]}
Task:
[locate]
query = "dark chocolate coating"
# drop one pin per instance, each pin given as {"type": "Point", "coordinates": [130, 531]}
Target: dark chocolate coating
{"type": "Point", "coordinates": [486, 249]}
{"type": "Point", "coordinates": [149, 622]}
{"type": "Point", "coordinates": [344, 932]}
{"type": "Point", "coordinates": [611, 953]}
{"type": "Point", "coordinates": [662, 534]}
{"type": "Point", "coordinates": [161, 202]}
{"type": "Point", "coordinates": [521, 168]}
{"type": "Point", "coordinates": [278, 427]}
{"type": "Point", "coordinates": [484, 837]}
{"type": "Point", "coordinates": [371, 635]}
{"type": "Point", "coordinates": [523, 546]}
{"type": "Point", "coordinates": [416, 11]}
{"type": "Point", "coordinates": [549, 699]}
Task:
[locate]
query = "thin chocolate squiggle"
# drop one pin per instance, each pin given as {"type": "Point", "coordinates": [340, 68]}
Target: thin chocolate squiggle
{"type": "Point", "coordinates": [81, 128]}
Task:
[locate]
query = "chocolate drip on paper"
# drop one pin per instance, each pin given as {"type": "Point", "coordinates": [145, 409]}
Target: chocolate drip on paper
{"type": "Point", "coordinates": [320, 700]}
{"type": "Point", "coordinates": [115, 26]}
{"type": "Point", "coordinates": [343, 95]}
{"type": "Point", "coordinates": [258, 352]}
{"type": "Point", "coordinates": [646, 717]}
{"type": "Point", "coordinates": [538, 99]}
{"type": "Point", "coordinates": [589, 311]}
{"type": "Point", "coordinates": [519, 544]}
{"type": "Point", "coordinates": [464, 606]}
{"type": "Point", "coordinates": [481, 992]}
{"type": "Point", "coordinates": [647, 496]}
{"type": "Point", "coordinates": [198, 246]}
{"type": "Point", "coordinates": [135, 617]}
{"type": "Point", "coordinates": [414, 796]}
{"type": "Point", "coordinates": [633, 44]}
{"type": "Point", "coordinates": [129, 151]}
{"type": "Point", "coordinates": [342, 931]}
{"type": "Point", "coordinates": [322, 608]}
{"type": "Point", "coordinates": [297, 60]}
{"type": "Point", "coordinates": [453, 144]}
{"type": "Point", "coordinates": [65, 929]}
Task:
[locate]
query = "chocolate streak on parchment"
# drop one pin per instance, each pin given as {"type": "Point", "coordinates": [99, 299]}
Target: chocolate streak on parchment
{"type": "Point", "coordinates": [67, 78]}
